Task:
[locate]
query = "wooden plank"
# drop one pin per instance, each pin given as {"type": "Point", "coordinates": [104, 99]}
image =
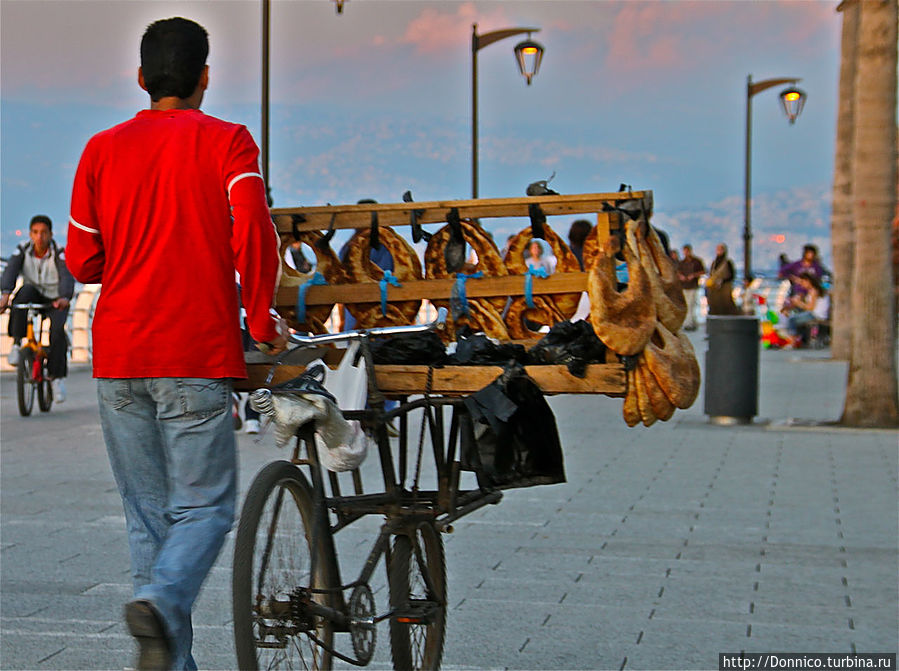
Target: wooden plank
{"type": "Point", "coordinates": [319, 218]}
{"type": "Point", "coordinates": [370, 292]}
{"type": "Point", "coordinates": [606, 379]}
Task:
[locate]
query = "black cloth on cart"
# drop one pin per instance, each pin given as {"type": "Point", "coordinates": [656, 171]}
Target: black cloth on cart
{"type": "Point", "coordinates": [515, 441]}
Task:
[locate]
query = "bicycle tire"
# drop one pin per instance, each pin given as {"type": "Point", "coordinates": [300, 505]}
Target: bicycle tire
{"type": "Point", "coordinates": [274, 538]}
{"type": "Point", "coordinates": [44, 389]}
{"type": "Point", "coordinates": [417, 647]}
{"type": "Point", "coordinates": [25, 382]}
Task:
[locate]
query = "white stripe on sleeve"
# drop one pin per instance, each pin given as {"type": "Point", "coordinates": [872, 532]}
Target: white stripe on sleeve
{"type": "Point", "coordinates": [240, 177]}
{"type": "Point", "coordinates": [83, 227]}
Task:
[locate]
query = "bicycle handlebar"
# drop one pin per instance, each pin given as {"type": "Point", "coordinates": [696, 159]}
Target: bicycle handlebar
{"type": "Point", "coordinates": [30, 306]}
{"type": "Point", "coordinates": [437, 324]}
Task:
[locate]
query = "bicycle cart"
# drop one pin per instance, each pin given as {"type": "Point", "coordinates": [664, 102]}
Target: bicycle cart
{"type": "Point", "coordinates": [293, 605]}
{"type": "Point", "coordinates": [31, 371]}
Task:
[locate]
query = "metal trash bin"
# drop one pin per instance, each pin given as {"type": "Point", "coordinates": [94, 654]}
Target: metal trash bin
{"type": "Point", "coordinates": [732, 369]}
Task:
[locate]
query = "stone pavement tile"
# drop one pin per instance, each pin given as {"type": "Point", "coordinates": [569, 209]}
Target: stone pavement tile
{"type": "Point", "coordinates": [545, 650]}
{"type": "Point", "coordinates": [517, 591]}
{"type": "Point", "coordinates": [798, 638]}
{"type": "Point", "coordinates": [595, 569]}
{"type": "Point", "coordinates": [693, 644]}
{"type": "Point", "coordinates": [46, 622]}
{"type": "Point", "coordinates": [63, 651]}
{"type": "Point", "coordinates": [677, 603]}
{"type": "Point", "coordinates": [738, 554]}
{"type": "Point", "coordinates": [484, 632]}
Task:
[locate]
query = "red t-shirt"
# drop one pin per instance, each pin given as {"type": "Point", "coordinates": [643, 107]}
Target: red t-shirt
{"type": "Point", "coordinates": [165, 207]}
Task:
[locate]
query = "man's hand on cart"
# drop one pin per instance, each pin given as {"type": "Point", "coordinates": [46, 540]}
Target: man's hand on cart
{"type": "Point", "coordinates": [279, 344]}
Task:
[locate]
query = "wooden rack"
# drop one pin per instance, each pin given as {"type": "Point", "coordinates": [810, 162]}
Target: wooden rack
{"type": "Point", "coordinates": [608, 378]}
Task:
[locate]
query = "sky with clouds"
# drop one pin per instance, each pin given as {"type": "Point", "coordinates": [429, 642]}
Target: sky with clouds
{"type": "Point", "coordinates": [377, 100]}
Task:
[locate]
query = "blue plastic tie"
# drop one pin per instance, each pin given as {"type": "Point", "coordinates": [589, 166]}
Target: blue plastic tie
{"type": "Point", "coordinates": [459, 302]}
{"type": "Point", "coordinates": [529, 283]}
{"type": "Point", "coordinates": [389, 278]}
{"type": "Point", "coordinates": [317, 280]}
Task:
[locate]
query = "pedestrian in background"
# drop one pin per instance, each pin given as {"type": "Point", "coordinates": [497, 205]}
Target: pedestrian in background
{"type": "Point", "coordinates": [577, 235]}
{"type": "Point", "coordinates": [689, 270]}
{"type": "Point", "coordinates": [165, 208]}
{"type": "Point", "coordinates": [720, 284]}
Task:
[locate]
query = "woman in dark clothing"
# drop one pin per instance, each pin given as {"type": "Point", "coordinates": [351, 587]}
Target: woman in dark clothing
{"type": "Point", "coordinates": [720, 285]}
{"type": "Point", "coordinates": [577, 234]}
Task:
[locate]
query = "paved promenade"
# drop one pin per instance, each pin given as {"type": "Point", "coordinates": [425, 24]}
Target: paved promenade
{"type": "Point", "coordinates": [667, 545]}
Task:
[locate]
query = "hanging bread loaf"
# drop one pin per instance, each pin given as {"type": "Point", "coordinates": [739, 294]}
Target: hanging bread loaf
{"type": "Point", "coordinates": [671, 307]}
{"type": "Point", "coordinates": [549, 309]}
{"type": "Point", "coordinates": [360, 269]}
{"type": "Point", "coordinates": [671, 360]}
{"type": "Point", "coordinates": [326, 263]}
{"type": "Point", "coordinates": [484, 314]}
{"type": "Point", "coordinates": [661, 405]}
{"type": "Point", "coordinates": [630, 410]}
{"type": "Point", "coordinates": [647, 416]}
{"type": "Point", "coordinates": [623, 321]}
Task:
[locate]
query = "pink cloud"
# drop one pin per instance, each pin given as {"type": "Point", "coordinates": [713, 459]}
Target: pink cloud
{"type": "Point", "coordinates": [662, 36]}
{"type": "Point", "coordinates": [433, 30]}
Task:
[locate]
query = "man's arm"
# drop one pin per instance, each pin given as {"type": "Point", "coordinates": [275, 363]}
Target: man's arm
{"type": "Point", "coordinates": [66, 281]}
{"type": "Point", "coordinates": [85, 255]}
{"type": "Point", "coordinates": [254, 242]}
{"type": "Point", "coordinates": [10, 275]}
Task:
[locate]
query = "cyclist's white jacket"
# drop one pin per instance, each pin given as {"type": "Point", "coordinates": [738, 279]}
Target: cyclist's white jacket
{"type": "Point", "coordinates": [49, 274]}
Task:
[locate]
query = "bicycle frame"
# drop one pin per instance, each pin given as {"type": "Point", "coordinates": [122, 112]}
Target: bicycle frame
{"type": "Point", "coordinates": [34, 334]}
{"type": "Point", "coordinates": [403, 507]}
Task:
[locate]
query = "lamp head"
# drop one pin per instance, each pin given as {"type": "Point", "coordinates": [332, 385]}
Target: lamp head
{"type": "Point", "coordinates": [793, 100]}
{"type": "Point", "coordinates": [528, 54]}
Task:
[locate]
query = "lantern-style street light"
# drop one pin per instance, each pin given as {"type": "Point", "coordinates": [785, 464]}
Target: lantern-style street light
{"type": "Point", "coordinates": [793, 100]}
{"type": "Point", "coordinates": [528, 54]}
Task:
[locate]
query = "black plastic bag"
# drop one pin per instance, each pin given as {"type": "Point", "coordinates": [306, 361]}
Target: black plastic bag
{"type": "Point", "coordinates": [425, 349]}
{"type": "Point", "coordinates": [515, 441]}
{"type": "Point", "coordinates": [573, 344]}
{"type": "Point", "coordinates": [478, 349]}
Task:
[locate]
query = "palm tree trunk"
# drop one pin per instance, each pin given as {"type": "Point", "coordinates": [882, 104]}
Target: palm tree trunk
{"type": "Point", "coordinates": [842, 233]}
{"type": "Point", "coordinates": [872, 397]}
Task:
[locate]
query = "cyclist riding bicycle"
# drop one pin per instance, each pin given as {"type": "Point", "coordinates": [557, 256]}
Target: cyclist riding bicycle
{"type": "Point", "coordinates": [46, 279]}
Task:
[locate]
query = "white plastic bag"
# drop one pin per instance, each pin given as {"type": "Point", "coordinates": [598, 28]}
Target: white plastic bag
{"type": "Point", "coordinates": [341, 444]}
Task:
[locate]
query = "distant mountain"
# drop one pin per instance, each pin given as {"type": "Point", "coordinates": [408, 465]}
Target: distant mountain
{"type": "Point", "coordinates": [782, 222]}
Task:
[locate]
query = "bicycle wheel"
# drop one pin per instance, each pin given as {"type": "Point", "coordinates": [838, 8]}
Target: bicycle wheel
{"type": "Point", "coordinates": [417, 579]}
{"type": "Point", "coordinates": [273, 551]}
{"type": "Point", "coordinates": [25, 381]}
{"type": "Point", "coordinates": [44, 389]}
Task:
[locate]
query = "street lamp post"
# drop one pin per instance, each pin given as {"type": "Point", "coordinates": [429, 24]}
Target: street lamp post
{"type": "Point", "coordinates": [529, 55]}
{"type": "Point", "coordinates": [793, 100]}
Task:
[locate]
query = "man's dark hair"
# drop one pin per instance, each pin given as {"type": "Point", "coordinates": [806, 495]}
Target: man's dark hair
{"type": "Point", "coordinates": [810, 248]}
{"type": "Point", "coordinates": [578, 232]}
{"type": "Point", "coordinates": [172, 56]}
{"type": "Point", "coordinates": [41, 219]}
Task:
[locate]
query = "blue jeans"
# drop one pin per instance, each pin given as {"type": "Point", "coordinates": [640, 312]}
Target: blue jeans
{"type": "Point", "coordinates": [171, 447]}
{"type": "Point", "coordinates": [799, 319]}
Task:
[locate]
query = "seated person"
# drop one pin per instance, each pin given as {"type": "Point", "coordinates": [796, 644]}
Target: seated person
{"type": "Point", "coordinates": [809, 263]}
{"type": "Point", "coordinates": [46, 279]}
{"type": "Point", "coordinates": [811, 304]}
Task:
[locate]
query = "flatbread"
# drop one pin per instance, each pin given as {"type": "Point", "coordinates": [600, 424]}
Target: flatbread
{"type": "Point", "coordinates": [629, 410]}
{"type": "Point", "coordinates": [671, 360]}
{"type": "Point", "coordinates": [622, 321]}
{"type": "Point", "coordinates": [644, 405]}
{"type": "Point", "coordinates": [661, 405]}
{"type": "Point", "coordinates": [667, 294]}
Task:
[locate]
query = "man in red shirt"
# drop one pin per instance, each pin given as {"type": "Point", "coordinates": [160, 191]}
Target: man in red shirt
{"type": "Point", "coordinates": [165, 208]}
